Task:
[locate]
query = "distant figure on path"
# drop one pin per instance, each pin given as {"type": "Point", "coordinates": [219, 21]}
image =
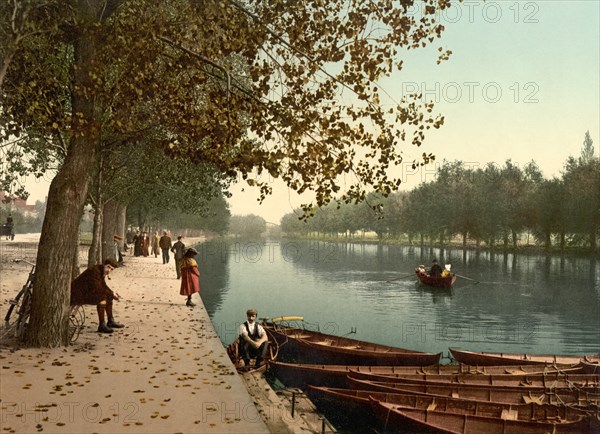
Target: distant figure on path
{"type": "Point", "coordinates": [145, 244]}
{"type": "Point", "coordinates": [253, 341]}
{"type": "Point", "coordinates": [165, 246]}
{"type": "Point", "coordinates": [190, 283]}
{"type": "Point", "coordinates": [90, 288]}
{"type": "Point", "coordinates": [155, 244]}
{"type": "Point", "coordinates": [178, 249]}
{"type": "Point", "coordinates": [137, 244]}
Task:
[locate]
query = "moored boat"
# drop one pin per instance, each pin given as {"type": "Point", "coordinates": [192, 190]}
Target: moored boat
{"type": "Point", "coordinates": [236, 358]}
{"type": "Point", "coordinates": [554, 380]}
{"type": "Point", "coordinates": [349, 405]}
{"type": "Point", "coordinates": [399, 418]}
{"type": "Point", "coordinates": [309, 346]}
{"type": "Point", "coordinates": [438, 282]}
{"type": "Point", "coordinates": [490, 359]}
{"type": "Point", "coordinates": [499, 394]}
{"type": "Point", "coordinates": [298, 375]}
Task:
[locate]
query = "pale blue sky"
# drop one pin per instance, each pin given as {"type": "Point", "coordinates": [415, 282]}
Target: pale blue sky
{"type": "Point", "coordinates": [550, 49]}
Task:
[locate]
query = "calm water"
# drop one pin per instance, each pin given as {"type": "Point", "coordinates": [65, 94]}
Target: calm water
{"type": "Point", "coordinates": [524, 304]}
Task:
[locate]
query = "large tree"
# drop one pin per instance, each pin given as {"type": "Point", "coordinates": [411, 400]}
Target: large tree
{"type": "Point", "coordinates": [260, 86]}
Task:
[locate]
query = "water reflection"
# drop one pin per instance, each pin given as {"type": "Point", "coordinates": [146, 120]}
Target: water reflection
{"type": "Point", "coordinates": [523, 303]}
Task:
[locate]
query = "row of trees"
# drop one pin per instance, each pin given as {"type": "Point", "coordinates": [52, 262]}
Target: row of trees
{"type": "Point", "coordinates": [98, 89]}
{"type": "Point", "coordinates": [490, 204]}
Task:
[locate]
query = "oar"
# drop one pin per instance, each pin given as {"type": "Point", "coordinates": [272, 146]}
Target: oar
{"type": "Point", "coordinates": [467, 278]}
{"type": "Point", "coordinates": [398, 278]}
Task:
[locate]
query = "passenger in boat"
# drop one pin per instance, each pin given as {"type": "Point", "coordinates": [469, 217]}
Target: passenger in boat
{"type": "Point", "coordinates": [253, 341]}
{"type": "Point", "coordinates": [436, 269]}
{"type": "Point", "coordinates": [447, 271]}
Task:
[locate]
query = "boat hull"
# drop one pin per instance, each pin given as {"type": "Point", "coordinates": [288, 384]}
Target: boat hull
{"type": "Point", "coordinates": [508, 395]}
{"type": "Point", "coordinates": [394, 418]}
{"type": "Point", "coordinates": [308, 346]}
{"type": "Point", "coordinates": [490, 359]}
{"type": "Point", "coordinates": [436, 282]}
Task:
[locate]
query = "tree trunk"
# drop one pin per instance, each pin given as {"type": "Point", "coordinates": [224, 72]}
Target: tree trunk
{"type": "Point", "coordinates": [563, 241]}
{"type": "Point", "coordinates": [94, 255]}
{"type": "Point", "coordinates": [49, 324]}
{"type": "Point", "coordinates": [109, 229]}
{"type": "Point", "coordinates": [121, 214]}
{"type": "Point", "coordinates": [548, 240]}
{"type": "Point", "coordinates": [76, 260]}
{"type": "Point", "coordinates": [514, 239]}
{"type": "Point", "coordinates": [464, 239]}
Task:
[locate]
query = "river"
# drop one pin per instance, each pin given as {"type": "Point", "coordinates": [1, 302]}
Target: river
{"type": "Point", "coordinates": [523, 303]}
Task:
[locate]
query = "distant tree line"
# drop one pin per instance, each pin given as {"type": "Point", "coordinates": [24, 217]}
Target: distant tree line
{"type": "Point", "coordinates": [492, 205]}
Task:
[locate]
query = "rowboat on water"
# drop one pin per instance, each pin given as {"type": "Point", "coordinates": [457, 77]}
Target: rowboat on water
{"type": "Point", "coordinates": [347, 406]}
{"type": "Point", "coordinates": [499, 394]}
{"type": "Point", "coordinates": [298, 375]}
{"type": "Point", "coordinates": [554, 380]}
{"type": "Point", "coordinates": [236, 357]}
{"type": "Point", "coordinates": [422, 418]}
{"type": "Point", "coordinates": [489, 359]}
{"type": "Point", "coordinates": [307, 346]}
{"type": "Point", "coordinates": [438, 282]}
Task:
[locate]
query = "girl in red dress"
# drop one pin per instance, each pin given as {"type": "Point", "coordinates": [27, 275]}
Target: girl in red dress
{"type": "Point", "coordinates": [190, 283]}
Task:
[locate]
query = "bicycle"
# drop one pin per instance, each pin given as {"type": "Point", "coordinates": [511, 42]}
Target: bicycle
{"type": "Point", "coordinates": [22, 304]}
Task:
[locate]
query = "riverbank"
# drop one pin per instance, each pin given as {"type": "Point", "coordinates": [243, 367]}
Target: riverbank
{"type": "Point", "coordinates": [165, 372]}
{"type": "Point", "coordinates": [498, 249]}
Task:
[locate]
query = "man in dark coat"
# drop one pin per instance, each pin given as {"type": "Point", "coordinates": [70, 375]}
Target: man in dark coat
{"type": "Point", "coordinates": [91, 288]}
{"type": "Point", "coordinates": [436, 269]}
{"type": "Point", "coordinates": [165, 246]}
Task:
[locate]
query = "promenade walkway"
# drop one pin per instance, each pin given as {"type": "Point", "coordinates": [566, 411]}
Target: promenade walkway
{"type": "Point", "coordinates": [165, 372]}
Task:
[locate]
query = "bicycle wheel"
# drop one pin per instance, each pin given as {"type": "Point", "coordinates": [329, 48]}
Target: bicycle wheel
{"type": "Point", "coordinates": [24, 312]}
{"type": "Point", "coordinates": [76, 322]}
{"type": "Point", "coordinates": [15, 303]}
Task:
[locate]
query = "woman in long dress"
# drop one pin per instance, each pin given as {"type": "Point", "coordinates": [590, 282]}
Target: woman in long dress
{"type": "Point", "coordinates": [190, 282]}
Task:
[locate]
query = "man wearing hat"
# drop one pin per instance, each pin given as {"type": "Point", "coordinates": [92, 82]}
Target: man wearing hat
{"type": "Point", "coordinates": [90, 288]}
{"type": "Point", "coordinates": [190, 283]}
{"type": "Point", "coordinates": [253, 341]}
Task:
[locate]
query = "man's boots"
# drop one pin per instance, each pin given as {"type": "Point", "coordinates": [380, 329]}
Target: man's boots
{"type": "Point", "coordinates": [102, 327]}
{"type": "Point", "coordinates": [111, 320]}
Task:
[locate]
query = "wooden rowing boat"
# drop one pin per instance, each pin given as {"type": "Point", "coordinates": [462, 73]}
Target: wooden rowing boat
{"type": "Point", "coordinates": [349, 407]}
{"type": "Point", "coordinates": [499, 394]}
{"type": "Point", "coordinates": [555, 380]}
{"type": "Point", "coordinates": [438, 282]}
{"type": "Point", "coordinates": [489, 359]}
{"type": "Point", "coordinates": [420, 418]}
{"type": "Point", "coordinates": [307, 346]}
{"type": "Point", "coordinates": [298, 375]}
{"type": "Point", "coordinates": [236, 358]}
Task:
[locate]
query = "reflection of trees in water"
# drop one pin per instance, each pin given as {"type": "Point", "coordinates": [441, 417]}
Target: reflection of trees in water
{"type": "Point", "coordinates": [213, 261]}
{"type": "Point", "coordinates": [525, 294]}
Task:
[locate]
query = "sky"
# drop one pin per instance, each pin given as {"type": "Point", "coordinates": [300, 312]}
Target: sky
{"type": "Point", "coordinates": [522, 84]}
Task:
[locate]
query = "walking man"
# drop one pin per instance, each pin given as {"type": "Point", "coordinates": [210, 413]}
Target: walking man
{"type": "Point", "coordinates": [165, 246]}
{"type": "Point", "coordinates": [179, 250]}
